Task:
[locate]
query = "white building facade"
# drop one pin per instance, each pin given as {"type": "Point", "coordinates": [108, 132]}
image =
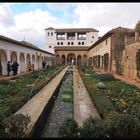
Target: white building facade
{"type": "Point", "coordinates": [22, 52]}
{"type": "Point", "coordinates": [69, 37]}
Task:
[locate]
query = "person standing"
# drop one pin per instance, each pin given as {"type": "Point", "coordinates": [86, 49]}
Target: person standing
{"type": "Point", "coordinates": [1, 69]}
{"type": "Point", "coordinates": [15, 67]}
{"type": "Point", "coordinates": [8, 68]}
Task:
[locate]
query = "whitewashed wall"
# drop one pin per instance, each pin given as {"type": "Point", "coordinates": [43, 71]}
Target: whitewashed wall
{"type": "Point", "coordinates": [10, 52]}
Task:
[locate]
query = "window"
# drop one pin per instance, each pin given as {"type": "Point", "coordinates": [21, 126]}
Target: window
{"type": "Point", "coordinates": [51, 33]}
{"type": "Point", "coordinates": [92, 36]}
{"type": "Point", "coordinates": [57, 43]}
{"type": "Point", "coordinates": [50, 46]}
{"type": "Point", "coordinates": [82, 43]}
{"type": "Point", "coordinates": [68, 43]}
{"type": "Point", "coordinates": [91, 41]}
{"type": "Point", "coordinates": [79, 43]}
{"type": "Point", "coordinates": [72, 43]}
{"type": "Point", "coordinates": [61, 43]}
{"type": "Point", "coordinates": [48, 33]}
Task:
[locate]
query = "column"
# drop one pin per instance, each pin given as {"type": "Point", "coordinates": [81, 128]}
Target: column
{"type": "Point", "coordinates": [76, 36]}
{"type": "Point", "coordinates": [65, 36]}
{"type": "Point", "coordinates": [18, 60]}
{"type": "Point", "coordinates": [8, 55]}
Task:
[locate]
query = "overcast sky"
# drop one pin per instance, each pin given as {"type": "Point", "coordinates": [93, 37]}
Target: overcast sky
{"type": "Point", "coordinates": [28, 20]}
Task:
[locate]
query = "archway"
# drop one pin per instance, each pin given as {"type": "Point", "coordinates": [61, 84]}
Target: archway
{"type": "Point", "coordinates": [90, 62]}
{"type": "Point", "coordinates": [28, 58]}
{"type": "Point", "coordinates": [63, 59]}
{"type": "Point", "coordinates": [70, 57]}
{"type": "Point", "coordinates": [33, 59]}
{"type": "Point", "coordinates": [106, 61]}
{"type": "Point", "coordinates": [13, 57]}
{"type": "Point", "coordinates": [57, 59]}
{"type": "Point", "coordinates": [85, 60]}
{"type": "Point", "coordinates": [22, 62]}
{"type": "Point", "coordinates": [79, 60]}
{"type": "Point", "coordinates": [38, 61]}
{"type": "Point", "coordinates": [3, 59]}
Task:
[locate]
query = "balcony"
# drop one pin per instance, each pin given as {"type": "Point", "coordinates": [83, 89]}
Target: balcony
{"type": "Point", "coordinates": [81, 38]}
{"type": "Point", "coordinates": [60, 38]}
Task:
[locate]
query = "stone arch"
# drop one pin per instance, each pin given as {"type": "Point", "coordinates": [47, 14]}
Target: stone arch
{"type": "Point", "coordinates": [90, 62]}
{"type": "Point", "coordinates": [98, 61]}
{"type": "Point", "coordinates": [84, 60]}
{"type": "Point", "coordinates": [38, 61]}
{"type": "Point", "coordinates": [33, 59]}
{"type": "Point", "coordinates": [58, 59]}
{"type": "Point", "coordinates": [63, 59]}
{"type": "Point", "coordinates": [106, 61]}
{"type": "Point", "coordinates": [22, 62]}
{"type": "Point", "coordinates": [13, 56]}
{"type": "Point", "coordinates": [94, 61]}
{"type": "Point", "coordinates": [3, 59]}
{"type": "Point", "coordinates": [70, 57]}
{"type": "Point", "coordinates": [28, 58]}
{"type": "Point", "coordinates": [79, 60]}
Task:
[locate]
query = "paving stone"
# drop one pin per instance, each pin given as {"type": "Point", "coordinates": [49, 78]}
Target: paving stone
{"type": "Point", "coordinates": [83, 105]}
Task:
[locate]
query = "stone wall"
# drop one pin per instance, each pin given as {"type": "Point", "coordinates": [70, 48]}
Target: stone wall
{"type": "Point", "coordinates": [130, 61]}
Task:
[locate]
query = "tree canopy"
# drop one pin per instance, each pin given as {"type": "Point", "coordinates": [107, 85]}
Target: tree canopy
{"type": "Point", "coordinates": [137, 27]}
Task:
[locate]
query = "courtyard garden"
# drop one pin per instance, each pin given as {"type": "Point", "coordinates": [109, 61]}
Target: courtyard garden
{"type": "Point", "coordinates": [117, 95]}
{"type": "Point", "coordinates": [16, 92]}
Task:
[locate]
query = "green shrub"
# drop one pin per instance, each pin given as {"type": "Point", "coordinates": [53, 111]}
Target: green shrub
{"type": "Point", "coordinates": [15, 125]}
{"type": "Point", "coordinates": [69, 128]}
{"type": "Point", "coordinates": [122, 125]}
{"type": "Point", "coordinates": [93, 128]}
{"type": "Point", "coordinates": [106, 77]}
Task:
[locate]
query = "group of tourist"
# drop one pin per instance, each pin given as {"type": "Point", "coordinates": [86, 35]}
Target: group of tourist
{"type": "Point", "coordinates": [45, 65]}
{"type": "Point", "coordinates": [14, 67]}
{"type": "Point", "coordinates": [10, 67]}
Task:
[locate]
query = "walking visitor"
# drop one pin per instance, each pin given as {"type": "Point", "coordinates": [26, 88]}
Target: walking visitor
{"type": "Point", "coordinates": [15, 67]}
{"type": "Point", "coordinates": [8, 68]}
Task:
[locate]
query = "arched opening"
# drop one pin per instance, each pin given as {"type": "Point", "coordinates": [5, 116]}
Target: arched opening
{"type": "Point", "coordinates": [63, 59]}
{"type": "Point", "coordinates": [13, 57]}
{"type": "Point", "coordinates": [94, 61]}
{"type": "Point", "coordinates": [38, 61]}
{"type": "Point", "coordinates": [28, 58]}
{"type": "Point", "coordinates": [98, 61]}
{"type": "Point", "coordinates": [70, 57]}
{"type": "Point", "coordinates": [90, 62]}
{"type": "Point", "coordinates": [106, 61]}
{"type": "Point", "coordinates": [85, 60]}
{"type": "Point", "coordinates": [3, 59]}
{"type": "Point", "coordinates": [33, 59]}
{"type": "Point", "coordinates": [58, 59]}
{"type": "Point", "coordinates": [22, 62]}
{"type": "Point", "coordinates": [79, 60]}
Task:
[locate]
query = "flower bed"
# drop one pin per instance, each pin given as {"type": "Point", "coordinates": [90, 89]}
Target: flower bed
{"type": "Point", "coordinates": [102, 103]}
{"type": "Point", "coordinates": [125, 98]}
{"type": "Point", "coordinates": [15, 93]}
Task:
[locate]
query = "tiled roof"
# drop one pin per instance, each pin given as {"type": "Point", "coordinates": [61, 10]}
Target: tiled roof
{"type": "Point", "coordinates": [76, 30]}
{"type": "Point", "coordinates": [70, 48]}
{"type": "Point", "coordinates": [23, 43]}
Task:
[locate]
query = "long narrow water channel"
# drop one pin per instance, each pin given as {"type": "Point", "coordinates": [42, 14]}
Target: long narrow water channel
{"type": "Point", "coordinates": [62, 108]}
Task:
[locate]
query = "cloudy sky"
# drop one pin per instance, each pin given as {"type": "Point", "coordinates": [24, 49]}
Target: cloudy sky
{"type": "Point", "coordinates": [28, 20]}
